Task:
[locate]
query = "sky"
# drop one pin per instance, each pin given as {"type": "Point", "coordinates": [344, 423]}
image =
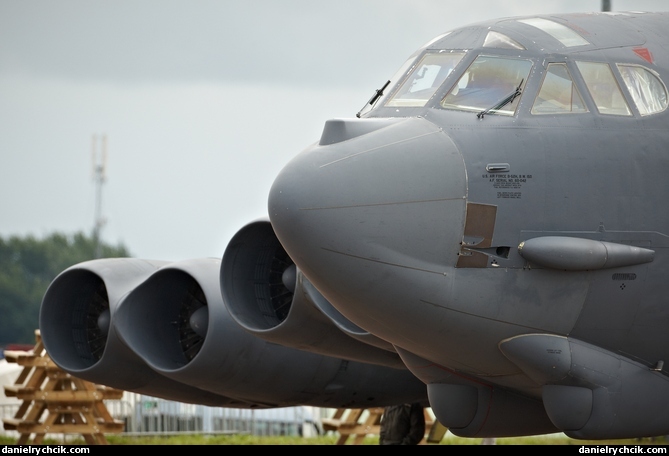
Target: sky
{"type": "Point", "coordinates": [201, 102]}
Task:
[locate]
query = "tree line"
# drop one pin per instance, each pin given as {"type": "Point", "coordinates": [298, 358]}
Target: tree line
{"type": "Point", "coordinates": [28, 265]}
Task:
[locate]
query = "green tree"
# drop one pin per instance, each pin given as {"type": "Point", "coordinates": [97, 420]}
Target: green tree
{"type": "Point", "coordinates": [27, 266]}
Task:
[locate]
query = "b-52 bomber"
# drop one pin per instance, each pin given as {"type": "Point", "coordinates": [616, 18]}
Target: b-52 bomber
{"type": "Point", "coordinates": [486, 236]}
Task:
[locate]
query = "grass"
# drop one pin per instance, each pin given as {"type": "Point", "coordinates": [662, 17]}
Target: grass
{"type": "Point", "coordinates": [329, 439]}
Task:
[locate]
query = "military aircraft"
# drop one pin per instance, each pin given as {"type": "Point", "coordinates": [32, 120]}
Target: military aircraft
{"type": "Point", "coordinates": [484, 236]}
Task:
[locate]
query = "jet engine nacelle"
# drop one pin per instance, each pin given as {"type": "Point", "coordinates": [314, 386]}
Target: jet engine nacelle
{"type": "Point", "coordinates": [77, 328]}
{"type": "Point", "coordinates": [178, 323]}
{"type": "Point", "coordinates": [592, 393]}
{"type": "Point", "coordinates": [269, 297]}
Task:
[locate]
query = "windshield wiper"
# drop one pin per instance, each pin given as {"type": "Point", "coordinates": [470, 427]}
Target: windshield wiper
{"type": "Point", "coordinates": [375, 97]}
{"type": "Point", "coordinates": [503, 102]}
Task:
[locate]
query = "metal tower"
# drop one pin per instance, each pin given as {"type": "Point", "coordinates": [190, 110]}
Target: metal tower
{"type": "Point", "coordinates": [99, 177]}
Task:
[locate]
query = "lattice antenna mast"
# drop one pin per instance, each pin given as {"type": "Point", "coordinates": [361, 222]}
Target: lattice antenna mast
{"type": "Point", "coordinates": [99, 177]}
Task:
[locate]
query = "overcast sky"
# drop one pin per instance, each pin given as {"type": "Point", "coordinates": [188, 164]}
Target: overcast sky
{"type": "Point", "coordinates": [202, 102]}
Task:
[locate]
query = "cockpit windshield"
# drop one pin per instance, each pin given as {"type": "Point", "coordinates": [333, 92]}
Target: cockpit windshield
{"type": "Point", "coordinates": [494, 84]}
{"type": "Point", "coordinates": [489, 81]}
{"type": "Point", "coordinates": [425, 78]}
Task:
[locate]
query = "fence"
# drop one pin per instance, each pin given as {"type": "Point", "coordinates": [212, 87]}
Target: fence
{"type": "Point", "coordinates": [148, 415]}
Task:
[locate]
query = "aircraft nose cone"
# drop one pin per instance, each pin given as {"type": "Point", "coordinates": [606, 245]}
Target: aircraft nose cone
{"type": "Point", "coordinates": [357, 211]}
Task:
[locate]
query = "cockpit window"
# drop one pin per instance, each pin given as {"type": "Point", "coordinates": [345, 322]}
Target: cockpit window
{"type": "Point", "coordinates": [499, 40]}
{"type": "Point", "coordinates": [562, 33]}
{"type": "Point", "coordinates": [488, 82]}
{"type": "Point", "coordinates": [558, 94]}
{"type": "Point", "coordinates": [603, 88]}
{"type": "Point", "coordinates": [425, 78]}
{"type": "Point", "coordinates": [648, 92]}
